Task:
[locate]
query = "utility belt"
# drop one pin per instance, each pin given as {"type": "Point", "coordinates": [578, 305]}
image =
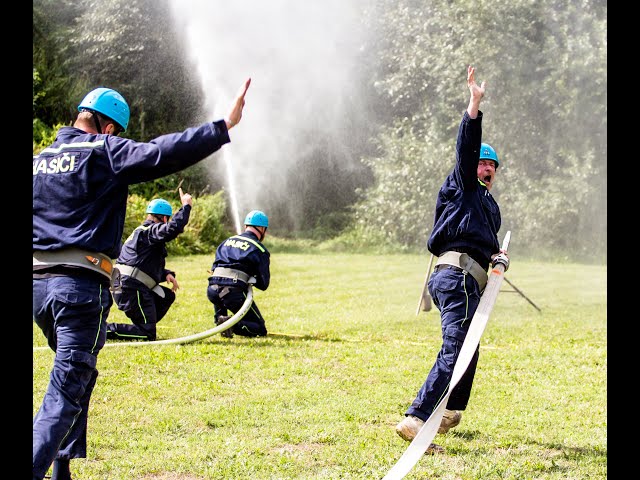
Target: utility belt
{"type": "Point", "coordinates": [231, 273]}
{"type": "Point", "coordinates": [234, 275]}
{"type": "Point", "coordinates": [77, 257]}
{"type": "Point", "coordinates": [135, 272]}
{"type": "Point", "coordinates": [467, 264]}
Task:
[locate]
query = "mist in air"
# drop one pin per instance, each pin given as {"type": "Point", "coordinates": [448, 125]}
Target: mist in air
{"type": "Point", "coordinates": [303, 95]}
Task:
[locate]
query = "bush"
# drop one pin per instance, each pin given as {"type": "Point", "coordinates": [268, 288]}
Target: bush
{"type": "Point", "coordinates": [43, 136]}
{"type": "Point", "coordinates": [207, 226]}
{"type": "Point", "coordinates": [136, 213]}
{"type": "Point", "coordinates": [205, 230]}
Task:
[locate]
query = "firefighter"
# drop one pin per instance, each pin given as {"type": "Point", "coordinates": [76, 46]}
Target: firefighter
{"type": "Point", "coordinates": [241, 260]}
{"type": "Point", "coordinates": [465, 240]}
{"type": "Point", "coordinates": [142, 268]}
{"type": "Point", "coordinates": [80, 187]}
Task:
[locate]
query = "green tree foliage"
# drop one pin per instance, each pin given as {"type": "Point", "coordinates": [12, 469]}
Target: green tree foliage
{"type": "Point", "coordinates": [127, 45]}
{"type": "Point", "coordinates": [43, 135]}
{"type": "Point", "coordinates": [137, 37]}
{"type": "Point", "coordinates": [52, 82]}
{"type": "Point", "coordinates": [545, 113]}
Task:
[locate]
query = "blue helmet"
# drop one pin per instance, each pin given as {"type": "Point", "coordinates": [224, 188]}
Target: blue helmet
{"type": "Point", "coordinates": [109, 103]}
{"type": "Point", "coordinates": [256, 218]}
{"type": "Point", "coordinates": [487, 151]}
{"type": "Point", "coordinates": [159, 207]}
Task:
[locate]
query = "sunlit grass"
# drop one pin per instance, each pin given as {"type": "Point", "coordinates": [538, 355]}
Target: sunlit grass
{"type": "Point", "coordinates": [319, 397]}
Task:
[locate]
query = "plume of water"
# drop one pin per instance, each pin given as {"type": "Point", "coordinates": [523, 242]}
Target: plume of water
{"type": "Point", "coordinates": [300, 57]}
{"type": "Point", "coordinates": [233, 198]}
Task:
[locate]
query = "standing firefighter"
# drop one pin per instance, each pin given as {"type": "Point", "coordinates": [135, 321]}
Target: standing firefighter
{"type": "Point", "coordinates": [142, 266]}
{"type": "Point", "coordinates": [465, 240]}
{"type": "Point", "coordinates": [80, 188]}
{"type": "Point", "coordinates": [241, 260]}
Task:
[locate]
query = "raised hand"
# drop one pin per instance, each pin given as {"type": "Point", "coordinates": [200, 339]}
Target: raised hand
{"type": "Point", "coordinates": [235, 111]}
{"type": "Point", "coordinates": [476, 91]}
{"type": "Point", "coordinates": [185, 198]}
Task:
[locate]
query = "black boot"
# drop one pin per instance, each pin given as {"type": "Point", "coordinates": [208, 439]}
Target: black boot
{"type": "Point", "coordinates": [61, 469]}
{"type": "Point", "coordinates": [111, 332]}
{"type": "Point", "coordinates": [220, 319]}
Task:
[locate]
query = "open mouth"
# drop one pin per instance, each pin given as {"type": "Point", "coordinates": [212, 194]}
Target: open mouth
{"type": "Point", "coordinates": [487, 179]}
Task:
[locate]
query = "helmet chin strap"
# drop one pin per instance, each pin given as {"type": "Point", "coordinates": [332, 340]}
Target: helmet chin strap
{"type": "Point", "coordinates": [95, 119]}
{"type": "Point", "coordinates": [99, 125]}
{"type": "Point", "coordinates": [261, 234]}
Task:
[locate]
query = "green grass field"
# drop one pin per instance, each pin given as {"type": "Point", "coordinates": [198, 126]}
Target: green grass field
{"type": "Point", "coordinates": [320, 396]}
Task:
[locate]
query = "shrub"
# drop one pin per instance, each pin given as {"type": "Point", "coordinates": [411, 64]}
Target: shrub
{"type": "Point", "coordinates": [43, 136]}
{"type": "Point", "coordinates": [205, 230]}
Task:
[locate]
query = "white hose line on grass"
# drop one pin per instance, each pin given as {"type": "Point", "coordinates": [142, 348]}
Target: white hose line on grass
{"type": "Point", "coordinates": [427, 433]}
{"type": "Point", "coordinates": [191, 338]}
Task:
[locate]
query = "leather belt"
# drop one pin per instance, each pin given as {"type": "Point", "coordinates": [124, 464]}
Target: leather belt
{"type": "Point", "coordinates": [98, 262]}
{"type": "Point", "coordinates": [467, 264]}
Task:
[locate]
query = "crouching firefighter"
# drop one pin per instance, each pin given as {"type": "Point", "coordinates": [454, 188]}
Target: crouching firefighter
{"type": "Point", "coordinates": [142, 268]}
{"type": "Point", "coordinates": [241, 260]}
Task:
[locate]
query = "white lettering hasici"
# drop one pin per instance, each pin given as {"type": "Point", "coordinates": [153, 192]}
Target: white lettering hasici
{"type": "Point", "coordinates": [237, 244]}
{"type": "Point", "coordinates": [62, 164]}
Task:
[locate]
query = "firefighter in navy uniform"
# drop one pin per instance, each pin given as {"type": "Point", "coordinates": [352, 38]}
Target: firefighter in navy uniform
{"type": "Point", "coordinates": [465, 240]}
{"type": "Point", "coordinates": [142, 268]}
{"type": "Point", "coordinates": [241, 260]}
{"type": "Point", "coordinates": [80, 188]}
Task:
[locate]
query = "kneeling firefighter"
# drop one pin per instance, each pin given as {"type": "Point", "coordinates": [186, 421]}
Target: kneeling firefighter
{"type": "Point", "coordinates": [241, 260]}
{"type": "Point", "coordinates": [143, 267]}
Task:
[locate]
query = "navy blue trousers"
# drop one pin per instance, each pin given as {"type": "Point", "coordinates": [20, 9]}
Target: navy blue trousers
{"type": "Point", "coordinates": [71, 311]}
{"type": "Point", "coordinates": [145, 308]}
{"type": "Point", "coordinates": [252, 324]}
{"type": "Point", "coordinates": [456, 295]}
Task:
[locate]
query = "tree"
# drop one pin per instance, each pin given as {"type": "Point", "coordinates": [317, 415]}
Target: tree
{"type": "Point", "coordinates": [51, 79]}
{"type": "Point", "coordinates": [545, 113]}
{"type": "Point", "coordinates": [130, 46]}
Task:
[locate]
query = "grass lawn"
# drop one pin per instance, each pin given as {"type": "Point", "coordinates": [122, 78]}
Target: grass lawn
{"type": "Point", "coordinates": [319, 397]}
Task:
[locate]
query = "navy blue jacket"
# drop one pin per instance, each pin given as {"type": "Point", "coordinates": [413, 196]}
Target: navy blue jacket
{"type": "Point", "coordinates": [467, 217]}
{"type": "Point", "coordinates": [80, 182]}
{"type": "Point", "coordinates": [146, 246]}
{"type": "Point", "coordinates": [243, 252]}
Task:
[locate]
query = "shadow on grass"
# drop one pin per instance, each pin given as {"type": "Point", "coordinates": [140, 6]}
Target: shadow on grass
{"type": "Point", "coordinates": [272, 339]}
{"type": "Point", "coordinates": [217, 339]}
{"type": "Point", "coordinates": [553, 452]}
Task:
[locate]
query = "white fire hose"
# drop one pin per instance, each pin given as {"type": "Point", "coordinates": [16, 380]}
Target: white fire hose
{"type": "Point", "coordinates": [191, 338]}
{"type": "Point", "coordinates": [427, 433]}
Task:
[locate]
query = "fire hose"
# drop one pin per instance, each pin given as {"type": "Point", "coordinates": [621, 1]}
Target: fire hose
{"type": "Point", "coordinates": [423, 439]}
{"type": "Point", "coordinates": [190, 338]}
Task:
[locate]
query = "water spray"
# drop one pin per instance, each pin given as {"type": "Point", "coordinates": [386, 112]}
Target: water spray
{"type": "Point", "coordinates": [233, 198]}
